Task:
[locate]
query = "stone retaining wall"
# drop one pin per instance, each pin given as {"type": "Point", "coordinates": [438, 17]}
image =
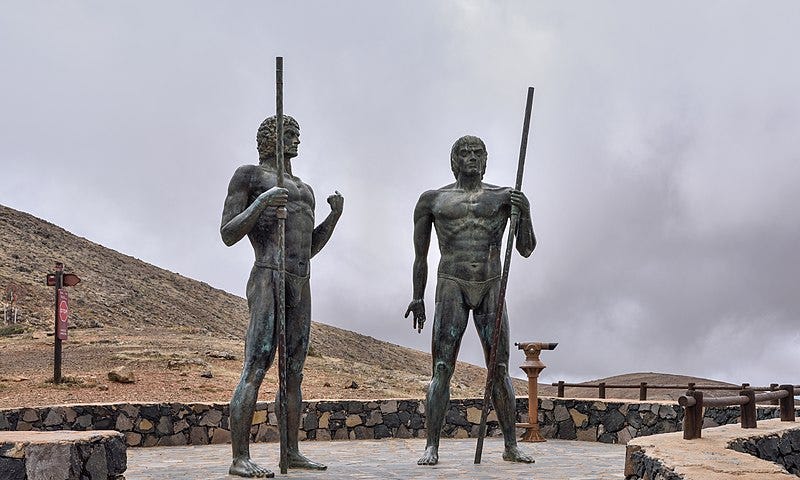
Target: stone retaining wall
{"type": "Point", "coordinates": [782, 448]}
{"type": "Point", "coordinates": [62, 455]}
{"type": "Point", "coordinates": [773, 448]}
{"type": "Point", "coordinates": [147, 424]}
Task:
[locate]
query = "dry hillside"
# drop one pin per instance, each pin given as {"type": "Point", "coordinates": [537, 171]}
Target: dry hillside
{"type": "Point", "coordinates": [168, 329]}
{"type": "Point", "coordinates": [183, 338]}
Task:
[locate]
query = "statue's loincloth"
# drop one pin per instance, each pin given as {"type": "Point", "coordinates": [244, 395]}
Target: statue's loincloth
{"type": "Point", "coordinates": [473, 291]}
{"type": "Point", "coordinates": [294, 283]}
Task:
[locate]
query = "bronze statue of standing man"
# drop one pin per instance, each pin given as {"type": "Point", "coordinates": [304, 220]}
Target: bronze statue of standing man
{"type": "Point", "coordinates": [470, 217]}
{"type": "Point", "coordinates": [250, 209]}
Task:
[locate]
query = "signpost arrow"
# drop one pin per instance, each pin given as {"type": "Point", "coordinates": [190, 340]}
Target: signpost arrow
{"type": "Point", "coordinates": [70, 280]}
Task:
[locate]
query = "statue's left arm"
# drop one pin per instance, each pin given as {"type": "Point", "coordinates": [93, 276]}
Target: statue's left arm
{"type": "Point", "coordinates": [323, 231]}
{"type": "Point", "coordinates": [526, 240]}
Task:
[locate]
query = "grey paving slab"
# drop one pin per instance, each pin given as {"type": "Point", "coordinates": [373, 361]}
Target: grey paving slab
{"type": "Point", "coordinates": [389, 459]}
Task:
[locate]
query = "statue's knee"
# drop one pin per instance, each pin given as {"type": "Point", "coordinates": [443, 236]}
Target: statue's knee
{"type": "Point", "coordinates": [443, 370]}
{"type": "Point", "coordinates": [253, 374]}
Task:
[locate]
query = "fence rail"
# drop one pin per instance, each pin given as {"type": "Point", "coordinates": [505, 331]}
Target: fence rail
{"type": "Point", "coordinates": [694, 401]}
{"type": "Point", "coordinates": [644, 387]}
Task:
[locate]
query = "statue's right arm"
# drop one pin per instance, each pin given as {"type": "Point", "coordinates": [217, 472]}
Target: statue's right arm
{"type": "Point", "coordinates": [238, 218]}
{"type": "Point", "coordinates": [423, 224]}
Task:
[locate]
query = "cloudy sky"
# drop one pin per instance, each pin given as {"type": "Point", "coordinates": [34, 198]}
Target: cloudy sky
{"type": "Point", "coordinates": [663, 166]}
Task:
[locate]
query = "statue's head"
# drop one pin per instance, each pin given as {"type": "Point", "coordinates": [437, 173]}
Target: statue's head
{"type": "Point", "coordinates": [267, 135]}
{"type": "Point", "coordinates": [468, 154]}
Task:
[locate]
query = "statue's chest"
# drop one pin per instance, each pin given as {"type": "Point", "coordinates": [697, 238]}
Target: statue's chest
{"type": "Point", "coordinates": [299, 192]}
{"type": "Point", "coordinates": [466, 206]}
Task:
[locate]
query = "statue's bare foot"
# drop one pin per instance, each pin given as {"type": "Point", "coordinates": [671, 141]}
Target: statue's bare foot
{"type": "Point", "coordinates": [298, 460]}
{"type": "Point", "coordinates": [430, 457]}
{"type": "Point", "coordinates": [514, 454]}
{"type": "Point", "coordinates": [244, 467]}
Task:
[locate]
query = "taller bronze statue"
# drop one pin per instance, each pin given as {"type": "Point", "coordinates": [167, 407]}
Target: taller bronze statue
{"type": "Point", "coordinates": [470, 217]}
{"type": "Point", "coordinates": [250, 209]}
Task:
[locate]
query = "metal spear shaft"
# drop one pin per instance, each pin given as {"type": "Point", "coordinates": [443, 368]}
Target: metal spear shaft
{"type": "Point", "coordinates": [501, 299]}
{"type": "Point", "coordinates": [281, 297]}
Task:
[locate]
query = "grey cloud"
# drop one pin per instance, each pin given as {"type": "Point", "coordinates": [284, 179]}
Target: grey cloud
{"type": "Point", "coordinates": [662, 166]}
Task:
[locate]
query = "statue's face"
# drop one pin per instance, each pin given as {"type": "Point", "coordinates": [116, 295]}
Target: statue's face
{"type": "Point", "coordinates": [291, 140]}
{"type": "Point", "coordinates": [472, 158]}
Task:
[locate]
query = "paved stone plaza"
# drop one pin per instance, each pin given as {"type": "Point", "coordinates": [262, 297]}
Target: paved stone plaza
{"type": "Point", "coordinates": [389, 459]}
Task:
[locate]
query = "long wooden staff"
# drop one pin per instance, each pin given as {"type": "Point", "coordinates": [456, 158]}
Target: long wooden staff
{"type": "Point", "coordinates": [501, 299]}
{"type": "Point", "coordinates": [281, 297]}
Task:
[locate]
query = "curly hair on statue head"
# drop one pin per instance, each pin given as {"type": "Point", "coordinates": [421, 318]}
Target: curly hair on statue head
{"type": "Point", "coordinates": [267, 135]}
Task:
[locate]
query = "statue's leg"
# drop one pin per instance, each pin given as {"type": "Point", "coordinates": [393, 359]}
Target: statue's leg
{"type": "Point", "coordinates": [449, 323]}
{"type": "Point", "coordinates": [298, 331]}
{"type": "Point", "coordinates": [259, 353]}
{"type": "Point", "coordinates": [503, 395]}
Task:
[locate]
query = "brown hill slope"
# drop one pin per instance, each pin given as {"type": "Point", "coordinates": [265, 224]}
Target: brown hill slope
{"type": "Point", "coordinates": [166, 328]}
{"type": "Point", "coordinates": [171, 330]}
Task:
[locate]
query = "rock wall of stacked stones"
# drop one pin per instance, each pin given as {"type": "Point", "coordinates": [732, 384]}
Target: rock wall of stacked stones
{"type": "Point", "coordinates": [783, 449]}
{"type": "Point", "coordinates": [145, 424]}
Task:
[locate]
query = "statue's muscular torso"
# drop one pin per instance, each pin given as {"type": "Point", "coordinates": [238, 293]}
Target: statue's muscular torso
{"type": "Point", "coordinates": [469, 227]}
{"type": "Point", "coordinates": [299, 221]}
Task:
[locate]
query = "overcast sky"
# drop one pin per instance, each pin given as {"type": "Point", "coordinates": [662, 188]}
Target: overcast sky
{"type": "Point", "coordinates": [663, 166]}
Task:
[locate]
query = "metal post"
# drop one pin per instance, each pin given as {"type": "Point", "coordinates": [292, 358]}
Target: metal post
{"type": "Point", "coordinates": [281, 297]}
{"type": "Point", "coordinates": [501, 296]}
{"type": "Point", "coordinates": [59, 273]}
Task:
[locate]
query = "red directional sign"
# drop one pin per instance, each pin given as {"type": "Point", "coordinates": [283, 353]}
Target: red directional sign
{"type": "Point", "coordinates": [70, 280]}
{"type": "Point", "coordinates": [63, 314]}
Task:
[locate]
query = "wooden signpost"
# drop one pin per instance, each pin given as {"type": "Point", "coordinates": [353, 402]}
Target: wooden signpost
{"type": "Point", "coordinates": [59, 280]}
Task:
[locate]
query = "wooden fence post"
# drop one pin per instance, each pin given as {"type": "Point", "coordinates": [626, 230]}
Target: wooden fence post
{"type": "Point", "coordinates": [601, 390]}
{"type": "Point", "coordinates": [643, 391]}
{"type": "Point", "coordinates": [749, 409]}
{"type": "Point", "coordinates": [560, 389]}
{"type": "Point", "coordinates": [772, 388]}
{"type": "Point", "coordinates": [693, 416]}
{"type": "Point", "coordinates": [787, 404]}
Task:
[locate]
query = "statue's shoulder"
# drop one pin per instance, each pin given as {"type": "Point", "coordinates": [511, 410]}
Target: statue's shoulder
{"type": "Point", "coordinates": [246, 171]}
{"type": "Point", "coordinates": [429, 196]}
{"type": "Point", "coordinates": [495, 188]}
{"type": "Point", "coordinates": [242, 178]}
{"type": "Point", "coordinates": [496, 191]}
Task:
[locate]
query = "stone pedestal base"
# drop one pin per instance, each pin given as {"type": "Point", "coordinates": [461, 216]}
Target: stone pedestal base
{"type": "Point", "coordinates": [62, 455]}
